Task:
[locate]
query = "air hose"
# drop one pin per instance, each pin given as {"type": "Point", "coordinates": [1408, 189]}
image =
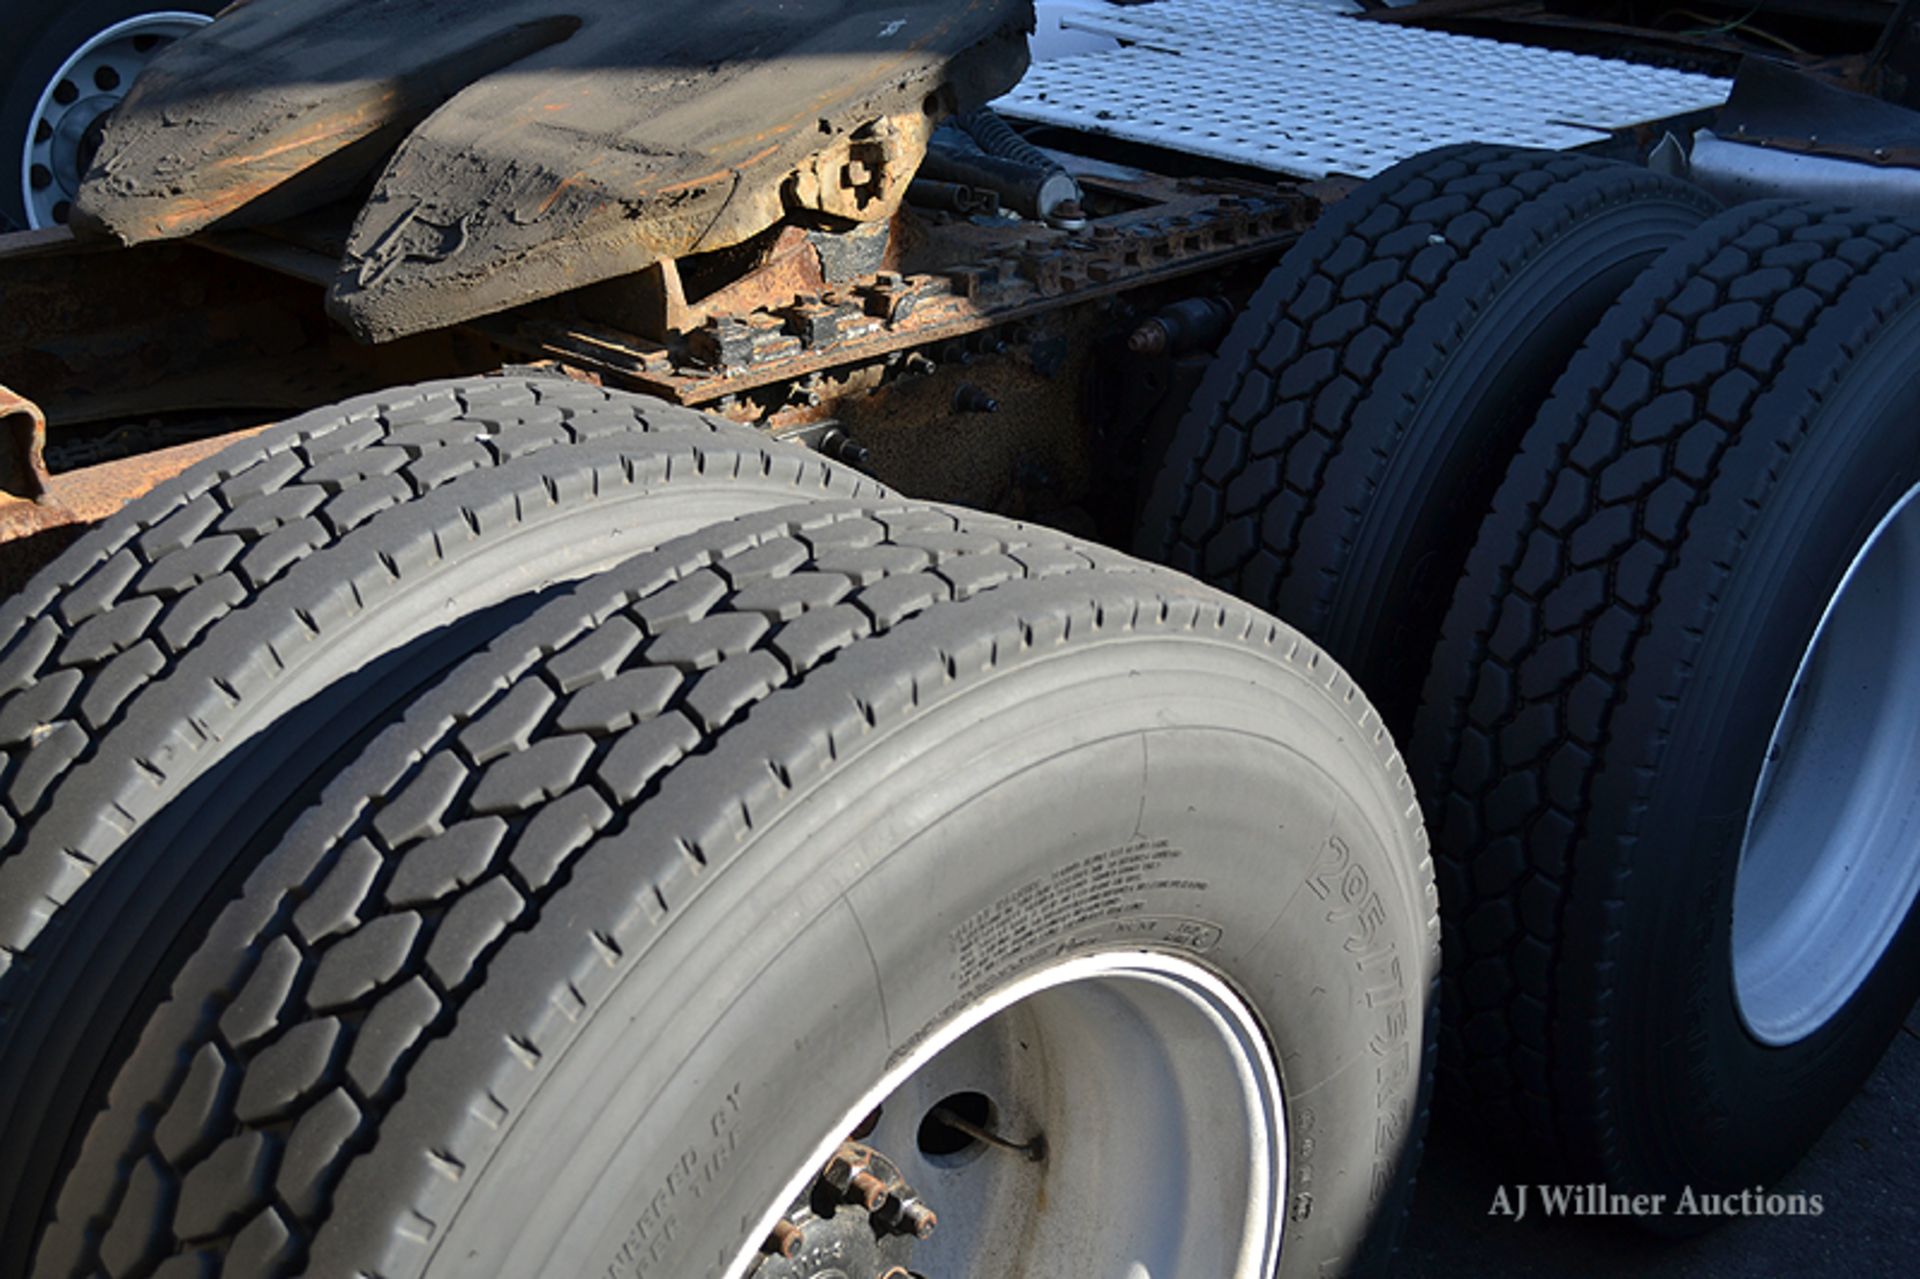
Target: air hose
{"type": "Point", "coordinates": [982, 151]}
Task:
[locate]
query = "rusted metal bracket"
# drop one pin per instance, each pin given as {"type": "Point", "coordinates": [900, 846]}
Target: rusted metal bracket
{"type": "Point", "coordinates": [23, 463]}
{"type": "Point", "coordinates": [892, 311]}
{"type": "Point", "coordinates": [26, 490]}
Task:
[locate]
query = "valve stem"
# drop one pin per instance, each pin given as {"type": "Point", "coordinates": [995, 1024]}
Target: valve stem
{"type": "Point", "coordinates": [1034, 1149]}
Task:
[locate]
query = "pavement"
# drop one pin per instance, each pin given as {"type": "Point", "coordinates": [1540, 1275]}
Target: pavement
{"type": "Point", "coordinates": [1866, 1170]}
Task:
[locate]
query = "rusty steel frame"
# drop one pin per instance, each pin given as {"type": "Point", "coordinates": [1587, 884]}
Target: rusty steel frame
{"type": "Point", "coordinates": [26, 504]}
{"type": "Point", "coordinates": [23, 460]}
{"type": "Point", "coordinates": [239, 323]}
{"type": "Point", "coordinates": [809, 319]}
{"type": "Point", "coordinates": [1027, 274]}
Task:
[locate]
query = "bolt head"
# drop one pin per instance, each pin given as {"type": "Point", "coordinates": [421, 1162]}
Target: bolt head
{"type": "Point", "coordinates": [869, 1190]}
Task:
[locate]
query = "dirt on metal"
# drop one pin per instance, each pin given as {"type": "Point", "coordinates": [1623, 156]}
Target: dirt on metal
{"type": "Point", "coordinates": [539, 149]}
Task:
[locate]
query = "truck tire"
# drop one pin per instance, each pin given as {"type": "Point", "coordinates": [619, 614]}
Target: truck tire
{"type": "Point", "coordinates": [176, 684]}
{"type": "Point", "coordinates": [65, 65]}
{"type": "Point", "coordinates": [592, 961]}
{"type": "Point", "coordinates": [1334, 464]}
{"type": "Point", "coordinates": [1669, 744]}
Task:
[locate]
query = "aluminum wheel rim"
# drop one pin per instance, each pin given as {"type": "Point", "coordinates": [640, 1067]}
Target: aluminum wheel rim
{"type": "Point", "coordinates": [1166, 1155]}
{"type": "Point", "coordinates": [1830, 866]}
{"type": "Point", "coordinates": [88, 84]}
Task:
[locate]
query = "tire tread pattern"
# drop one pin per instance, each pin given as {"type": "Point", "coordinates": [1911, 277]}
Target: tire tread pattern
{"type": "Point", "coordinates": [1273, 472]}
{"type": "Point", "coordinates": [354, 947]}
{"type": "Point", "coordinates": [125, 606]}
{"type": "Point", "coordinates": [1733, 338]}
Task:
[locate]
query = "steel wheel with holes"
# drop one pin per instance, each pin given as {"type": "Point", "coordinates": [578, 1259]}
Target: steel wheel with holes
{"type": "Point", "coordinates": [68, 66]}
{"type": "Point", "coordinates": [1670, 742]}
{"type": "Point", "coordinates": [853, 889]}
{"type": "Point", "coordinates": [1830, 865]}
{"type": "Point", "coordinates": [1115, 1109]}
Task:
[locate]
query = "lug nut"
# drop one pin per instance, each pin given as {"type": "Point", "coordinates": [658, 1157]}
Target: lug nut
{"type": "Point", "coordinates": [786, 1240]}
{"type": "Point", "coordinates": [919, 1219]}
{"type": "Point", "coordinates": [868, 1190]}
{"type": "Point", "coordinates": [906, 1216]}
{"type": "Point", "coordinates": [839, 1173]}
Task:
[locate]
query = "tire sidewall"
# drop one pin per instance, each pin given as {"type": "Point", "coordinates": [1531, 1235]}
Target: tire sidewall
{"type": "Point", "coordinates": [793, 979]}
{"type": "Point", "coordinates": [1734, 1111]}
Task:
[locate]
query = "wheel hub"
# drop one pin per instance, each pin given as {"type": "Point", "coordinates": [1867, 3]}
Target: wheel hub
{"type": "Point", "coordinates": [63, 131]}
{"type": "Point", "coordinates": [1117, 1114]}
{"type": "Point", "coordinates": [859, 1219]}
{"type": "Point", "coordinates": [1828, 872]}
